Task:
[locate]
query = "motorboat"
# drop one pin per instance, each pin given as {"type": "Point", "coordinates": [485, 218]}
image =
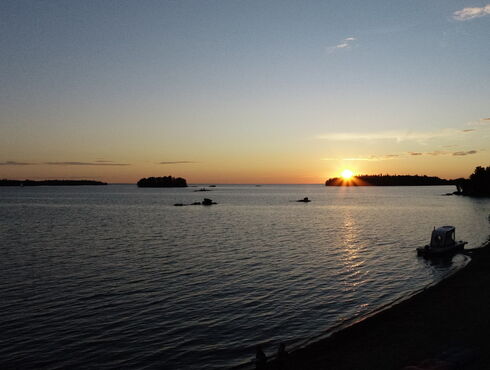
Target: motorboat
{"type": "Point", "coordinates": [443, 241]}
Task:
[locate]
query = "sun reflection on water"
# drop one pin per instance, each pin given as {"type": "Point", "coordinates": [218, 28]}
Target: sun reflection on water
{"type": "Point", "coordinates": [352, 257]}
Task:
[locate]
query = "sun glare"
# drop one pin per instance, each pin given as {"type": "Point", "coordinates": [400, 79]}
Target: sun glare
{"type": "Point", "coordinates": [347, 174]}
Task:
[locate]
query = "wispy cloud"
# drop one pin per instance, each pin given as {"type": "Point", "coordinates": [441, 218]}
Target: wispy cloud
{"type": "Point", "coordinates": [366, 158]}
{"type": "Point", "coordinates": [444, 152]}
{"type": "Point", "coordinates": [436, 153]}
{"type": "Point", "coordinates": [97, 163]}
{"type": "Point", "coordinates": [390, 135]}
{"type": "Point", "coordinates": [14, 163]}
{"type": "Point", "coordinates": [178, 162]}
{"type": "Point", "coordinates": [482, 122]}
{"type": "Point", "coordinates": [466, 14]}
{"type": "Point", "coordinates": [344, 44]}
{"type": "Point", "coordinates": [386, 157]}
{"type": "Point", "coordinates": [469, 152]}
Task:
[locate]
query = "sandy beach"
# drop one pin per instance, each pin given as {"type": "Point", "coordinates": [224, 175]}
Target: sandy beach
{"type": "Point", "coordinates": [444, 327]}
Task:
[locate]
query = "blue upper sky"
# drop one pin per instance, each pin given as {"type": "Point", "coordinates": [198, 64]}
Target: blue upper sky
{"type": "Point", "coordinates": [225, 84]}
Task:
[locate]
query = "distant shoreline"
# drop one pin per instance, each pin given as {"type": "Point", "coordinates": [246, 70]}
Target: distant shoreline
{"type": "Point", "coordinates": [22, 183]}
{"type": "Point", "coordinates": [389, 180]}
{"type": "Point", "coordinates": [45, 183]}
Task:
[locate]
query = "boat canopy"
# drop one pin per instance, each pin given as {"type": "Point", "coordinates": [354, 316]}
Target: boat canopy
{"type": "Point", "coordinates": [443, 236]}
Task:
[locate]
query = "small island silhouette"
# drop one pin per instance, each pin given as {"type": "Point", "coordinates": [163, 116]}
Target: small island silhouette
{"type": "Point", "coordinates": [162, 182]}
{"type": "Point", "coordinates": [5, 182]}
{"type": "Point", "coordinates": [388, 180]}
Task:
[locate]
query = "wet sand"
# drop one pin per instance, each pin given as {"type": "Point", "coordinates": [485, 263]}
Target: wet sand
{"type": "Point", "coordinates": [446, 326]}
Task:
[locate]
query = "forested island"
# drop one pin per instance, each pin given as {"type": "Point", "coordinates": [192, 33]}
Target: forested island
{"type": "Point", "coordinates": [388, 180]}
{"type": "Point", "coordinates": [162, 182]}
{"type": "Point", "coordinates": [477, 185]}
{"type": "Point", "coordinates": [5, 182]}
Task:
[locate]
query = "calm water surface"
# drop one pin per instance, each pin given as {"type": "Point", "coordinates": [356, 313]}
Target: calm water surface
{"type": "Point", "coordinates": [117, 276]}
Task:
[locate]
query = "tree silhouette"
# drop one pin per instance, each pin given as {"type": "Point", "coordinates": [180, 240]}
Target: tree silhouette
{"type": "Point", "coordinates": [162, 182]}
{"type": "Point", "coordinates": [388, 180]}
{"type": "Point", "coordinates": [478, 184]}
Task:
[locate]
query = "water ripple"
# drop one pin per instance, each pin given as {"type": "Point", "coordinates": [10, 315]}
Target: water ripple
{"type": "Point", "coordinates": [116, 277]}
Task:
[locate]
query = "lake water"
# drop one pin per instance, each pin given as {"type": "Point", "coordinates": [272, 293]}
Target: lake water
{"type": "Point", "coordinates": [117, 277]}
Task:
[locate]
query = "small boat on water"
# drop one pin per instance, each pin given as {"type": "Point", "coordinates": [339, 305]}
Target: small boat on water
{"type": "Point", "coordinates": [442, 242]}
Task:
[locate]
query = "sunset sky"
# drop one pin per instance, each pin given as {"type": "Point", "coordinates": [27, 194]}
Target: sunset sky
{"type": "Point", "coordinates": [235, 91]}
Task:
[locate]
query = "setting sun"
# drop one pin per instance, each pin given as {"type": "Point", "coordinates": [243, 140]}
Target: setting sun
{"type": "Point", "coordinates": [347, 174]}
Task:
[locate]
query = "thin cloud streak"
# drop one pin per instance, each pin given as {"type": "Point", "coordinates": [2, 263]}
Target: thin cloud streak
{"type": "Point", "coordinates": [344, 44]}
{"type": "Point", "coordinates": [366, 158]}
{"type": "Point", "coordinates": [85, 164]}
{"type": "Point", "coordinates": [481, 123]}
{"type": "Point", "coordinates": [385, 157]}
{"type": "Point", "coordinates": [437, 153]}
{"type": "Point", "coordinates": [467, 14]}
{"type": "Point", "coordinates": [444, 152]}
{"type": "Point", "coordinates": [14, 163]}
{"type": "Point", "coordinates": [465, 153]}
{"type": "Point", "coordinates": [178, 162]}
{"type": "Point", "coordinates": [390, 135]}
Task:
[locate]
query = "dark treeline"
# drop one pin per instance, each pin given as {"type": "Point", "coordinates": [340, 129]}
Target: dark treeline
{"type": "Point", "coordinates": [477, 185]}
{"type": "Point", "coordinates": [6, 182]}
{"type": "Point", "coordinates": [162, 182]}
{"type": "Point", "coordinates": [389, 180]}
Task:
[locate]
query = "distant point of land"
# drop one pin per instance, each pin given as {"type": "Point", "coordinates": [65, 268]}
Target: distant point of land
{"type": "Point", "coordinates": [6, 182]}
{"type": "Point", "coordinates": [388, 180]}
{"type": "Point", "coordinates": [477, 185]}
{"type": "Point", "coordinates": [162, 182]}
